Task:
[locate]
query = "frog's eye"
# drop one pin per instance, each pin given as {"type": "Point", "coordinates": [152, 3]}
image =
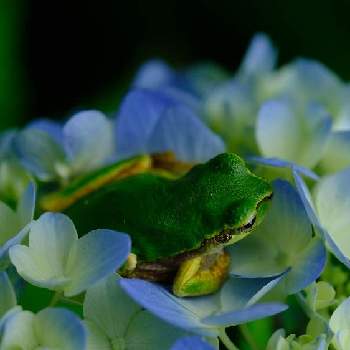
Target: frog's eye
{"type": "Point", "coordinates": [248, 225]}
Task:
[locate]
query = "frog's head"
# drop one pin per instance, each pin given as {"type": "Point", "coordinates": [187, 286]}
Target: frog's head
{"type": "Point", "coordinates": [231, 199]}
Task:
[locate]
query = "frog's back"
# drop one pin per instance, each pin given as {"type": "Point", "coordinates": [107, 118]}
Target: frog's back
{"type": "Point", "coordinates": [141, 206]}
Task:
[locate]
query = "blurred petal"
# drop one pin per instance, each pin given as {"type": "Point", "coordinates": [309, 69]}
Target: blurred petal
{"type": "Point", "coordinates": [260, 57]}
{"type": "Point", "coordinates": [29, 145]}
{"type": "Point", "coordinates": [54, 129]}
{"type": "Point", "coordinates": [26, 205]}
{"type": "Point", "coordinates": [59, 329]}
{"type": "Point", "coordinates": [146, 332]}
{"type": "Point", "coordinates": [109, 307]}
{"type": "Point", "coordinates": [340, 322]}
{"type": "Point", "coordinates": [169, 308]}
{"type": "Point", "coordinates": [180, 131]}
{"type": "Point", "coordinates": [19, 332]}
{"type": "Point", "coordinates": [317, 128]}
{"type": "Point", "coordinates": [7, 294]}
{"type": "Point", "coordinates": [96, 338]}
{"type": "Point", "coordinates": [336, 156]}
{"type": "Point", "coordinates": [9, 223]}
{"type": "Point", "coordinates": [17, 239]}
{"type": "Point", "coordinates": [95, 256]}
{"type": "Point", "coordinates": [88, 140]}
{"type": "Point", "coordinates": [191, 343]}
{"type": "Point", "coordinates": [250, 313]}
{"type": "Point", "coordinates": [278, 131]}
{"type": "Point", "coordinates": [154, 74]}
{"type": "Point", "coordinates": [138, 114]}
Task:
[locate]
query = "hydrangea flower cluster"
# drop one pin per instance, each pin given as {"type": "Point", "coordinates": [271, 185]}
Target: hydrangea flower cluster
{"type": "Point", "coordinates": [288, 283]}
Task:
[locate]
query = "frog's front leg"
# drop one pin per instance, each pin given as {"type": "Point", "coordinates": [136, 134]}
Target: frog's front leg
{"type": "Point", "coordinates": [201, 275]}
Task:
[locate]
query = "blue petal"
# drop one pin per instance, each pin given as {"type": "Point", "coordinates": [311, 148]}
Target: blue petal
{"type": "Point", "coordinates": [180, 131]}
{"type": "Point", "coordinates": [29, 145]}
{"type": "Point", "coordinates": [307, 267]}
{"type": "Point", "coordinates": [97, 255]}
{"type": "Point", "coordinates": [280, 163]}
{"type": "Point", "coordinates": [177, 311]}
{"type": "Point", "coordinates": [54, 129]}
{"type": "Point", "coordinates": [248, 314]}
{"type": "Point", "coordinates": [154, 74]}
{"type": "Point", "coordinates": [139, 112]}
{"type": "Point", "coordinates": [191, 343]}
{"type": "Point", "coordinates": [6, 142]}
{"type": "Point", "coordinates": [88, 140]}
{"type": "Point", "coordinates": [260, 57]}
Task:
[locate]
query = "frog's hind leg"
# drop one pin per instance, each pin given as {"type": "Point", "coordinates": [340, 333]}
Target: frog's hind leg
{"type": "Point", "coordinates": [201, 275]}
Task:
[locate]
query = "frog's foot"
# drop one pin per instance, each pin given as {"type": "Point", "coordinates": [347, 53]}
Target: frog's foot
{"type": "Point", "coordinates": [201, 275]}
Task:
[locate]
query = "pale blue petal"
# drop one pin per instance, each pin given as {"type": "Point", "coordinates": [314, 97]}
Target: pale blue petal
{"type": "Point", "coordinates": [147, 332]}
{"type": "Point", "coordinates": [17, 239]}
{"type": "Point", "coordinates": [310, 209]}
{"type": "Point", "coordinates": [94, 257]}
{"type": "Point", "coordinates": [7, 316]}
{"type": "Point", "coordinates": [30, 144]}
{"type": "Point", "coordinates": [307, 267]}
{"type": "Point", "coordinates": [7, 294]}
{"type": "Point", "coordinates": [251, 313]}
{"type": "Point", "coordinates": [88, 140]}
{"type": "Point", "coordinates": [238, 293]}
{"type": "Point", "coordinates": [281, 163]}
{"type": "Point", "coordinates": [166, 306]}
{"type": "Point", "coordinates": [180, 131]}
{"type": "Point", "coordinates": [154, 74]}
{"type": "Point", "coordinates": [139, 112]}
{"type": "Point", "coordinates": [35, 270]}
{"type": "Point", "coordinates": [332, 201]}
{"type": "Point", "coordinates": [260, 57]}
{"type": "Point", "coordinates": [59, 329]}
{"type": "Point", "coordinates": [336, 156]}
{"type": "Point", "coordinates": [317, 125]}
{"type": "Point", "coordinates": [109, 307]}
{"type": "Point", "coordinates": [305, 196]}
{"type": "Point", "coordinates": [96, 338]}
{"type": "Point", "coordinates": [191, 343]}
{"type": "Point", "coordinates": [278, 131]}
{"type": "Point", "coordinates": [276, 243]}
{"type": "Point", "coordinates": [26, 205]}
{"type": "Point", "coordinates": [50, 240]}
{"type": "Point", "coordinates": [51, 127]}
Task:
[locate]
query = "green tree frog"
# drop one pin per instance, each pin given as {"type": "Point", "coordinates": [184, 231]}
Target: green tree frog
{"type": "Point", "coordinates": [179, 225]}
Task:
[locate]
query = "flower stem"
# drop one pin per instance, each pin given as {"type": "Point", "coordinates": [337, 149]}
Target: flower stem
{"type": "Point", "coordinates": [55, 299]}
{"type": "Point", "coordinates": [248, 337]}
{"type": "Point", "coordinates": [226, 340]}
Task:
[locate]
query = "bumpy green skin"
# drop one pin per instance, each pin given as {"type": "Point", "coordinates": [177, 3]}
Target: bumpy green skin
{"type": "Point", "coordinates": [165, 217]}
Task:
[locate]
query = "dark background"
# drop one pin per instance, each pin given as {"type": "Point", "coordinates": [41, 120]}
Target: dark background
{"type": "Point", "coordinates": [58, 56]}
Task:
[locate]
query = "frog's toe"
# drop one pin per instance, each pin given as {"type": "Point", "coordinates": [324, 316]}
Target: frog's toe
{"type": "Point", "coordinates": [202, 274]}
